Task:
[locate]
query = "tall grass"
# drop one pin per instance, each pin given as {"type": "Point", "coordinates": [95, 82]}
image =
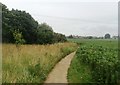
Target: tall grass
{"type": "Point", "coordinates": [32, 63]}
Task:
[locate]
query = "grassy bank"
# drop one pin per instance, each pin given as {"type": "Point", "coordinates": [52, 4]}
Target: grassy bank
{"type": "Point", "coordinates": [78, 73]}
{"type": "Point", "coordinates": [32, 63]}
{"type": "Point", "coordinates": [95, 61]}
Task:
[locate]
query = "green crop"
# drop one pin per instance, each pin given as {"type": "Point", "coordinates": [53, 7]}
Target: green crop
{"type": "Point", "coordinates": [102, 60]}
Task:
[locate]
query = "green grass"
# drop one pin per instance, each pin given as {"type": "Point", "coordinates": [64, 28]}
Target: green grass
{"type": "Point", "coordinates": [111, 43]}
{"type": "Point", "coordinates": [77, 72]}
{"type": "Point", "coordinates": [31, 63]}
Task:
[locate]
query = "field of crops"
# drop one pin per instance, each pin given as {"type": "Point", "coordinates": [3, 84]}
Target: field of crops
{"type": "Point", "coordinates": [100, 57]}
{"type": "Point", "coordinates": [31, 63]}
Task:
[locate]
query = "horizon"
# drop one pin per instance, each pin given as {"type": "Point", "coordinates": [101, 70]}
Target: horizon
{"type": "Point", "coordinates": [111, 36]}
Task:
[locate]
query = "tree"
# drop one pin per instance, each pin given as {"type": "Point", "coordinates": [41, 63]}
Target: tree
{"type": "Point", "coordinates": [26, 24]}
{"type": "Point", "coordinates": [59, 38]}
{"type": "Point", "coordinates": [17, 19]}
{"type": "Point", "coordinates": [18, 37]}
{"type": "Point", "coordinates": [107, 36]}
{"type": "Point", "coordinates": [18, 24]}
{"type": "Point", "coordinates": [45, 34]}
{"type": "Point", "coordinates": [89, 37]}
{"type": "Point", "coordinates": [6, 33]}
{"type": "Point", "coordinates": [70, 36]}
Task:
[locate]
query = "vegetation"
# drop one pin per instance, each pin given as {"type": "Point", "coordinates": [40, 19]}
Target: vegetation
{"type": "Point", "coordinates": [79, 73]}
{"type": "Point", "coordinates": [31, 31]}
{"type": "Point", "coordinates": [28, 61]}
{"type": "Point", "coordinates": [97, 60]}
{"type": "Point", "coordinates": [32, 63]}
{"type": "Point", "coordinates": [18, 37]}
{"type": "Point", "coordinates": [107, 36]}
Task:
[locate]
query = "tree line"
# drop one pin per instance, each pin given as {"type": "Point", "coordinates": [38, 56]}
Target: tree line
{"type": "Point", "coordinates": [20, 27]}
{"type": "Point", "coordinates": [106, 36]}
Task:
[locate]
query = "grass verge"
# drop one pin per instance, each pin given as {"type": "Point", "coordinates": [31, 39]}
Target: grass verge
{"type": "Point", "coordinates": [31, 63]}
{"type": "Point", "coordinates": [78, 73]}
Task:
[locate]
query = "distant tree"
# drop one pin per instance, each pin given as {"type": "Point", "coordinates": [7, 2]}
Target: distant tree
{"type": "Point", "coordinates": [115, 37]}
{"type": "Point", "coordinates": [100, 37]}
{"type": "Point", "coordinates": [107, 36]}
{"type": "Point", "coordinates": [90, 37]}
{"type": "Point", "coordinates": [70, 36]}
{"type": "Point", "coordinates": [59, 37]}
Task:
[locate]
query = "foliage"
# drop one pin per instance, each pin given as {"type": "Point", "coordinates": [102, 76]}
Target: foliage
{"type": "Point", "coordinates": [107, 36]}
{"type": "Point", "coordinates": [70, 36]}
{"type": "Point", "coordinates": [32, 31]}
{"type": "Point", "coordinates": [59, 37]}
{"type": "Point", "coordinates": [18, 37]}
{"type": "Point", "coordinates": [18, 20]}
{"type": "Point", "coordinates": [102, 61]}
{"type": "Point", "coordinates": [100, 57]}
{"type": "Point", "coordinates": [45, 34]}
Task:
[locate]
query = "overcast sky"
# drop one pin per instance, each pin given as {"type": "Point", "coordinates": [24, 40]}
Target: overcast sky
{"type": "Point", "coordinates": [78, 17]}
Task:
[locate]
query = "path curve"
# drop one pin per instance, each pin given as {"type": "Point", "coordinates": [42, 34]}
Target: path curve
{"type": "Point", "coordinates": [59, 72]}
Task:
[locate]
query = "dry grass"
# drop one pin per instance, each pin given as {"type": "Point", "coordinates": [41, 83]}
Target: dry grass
{"type": "Point", "coordinates": [32, 63]}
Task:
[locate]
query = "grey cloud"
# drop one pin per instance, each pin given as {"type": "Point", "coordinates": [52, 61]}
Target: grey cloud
{"type": "Point", "coordinates": [73, 17]}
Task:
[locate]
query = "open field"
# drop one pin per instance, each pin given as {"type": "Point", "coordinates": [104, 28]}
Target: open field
{"type": "Point", "coordinates": [112, 43]}
{"type": "Point", "coordinates": [96, 61]}
{"type": "Point", "coordinates": [32, 63]}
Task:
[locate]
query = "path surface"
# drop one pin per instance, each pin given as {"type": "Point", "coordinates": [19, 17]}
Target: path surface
{"type": "Point", "coordinates": [59, 72]}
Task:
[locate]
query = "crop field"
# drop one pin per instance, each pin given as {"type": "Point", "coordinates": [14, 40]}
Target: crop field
{"type": "Point", "coordinates": [96, 61]}
{"type": "Point", "coordinates": [31, 63]}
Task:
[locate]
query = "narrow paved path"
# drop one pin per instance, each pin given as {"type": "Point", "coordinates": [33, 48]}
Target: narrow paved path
{"type": "Point", "coordinates": [59, 72]}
